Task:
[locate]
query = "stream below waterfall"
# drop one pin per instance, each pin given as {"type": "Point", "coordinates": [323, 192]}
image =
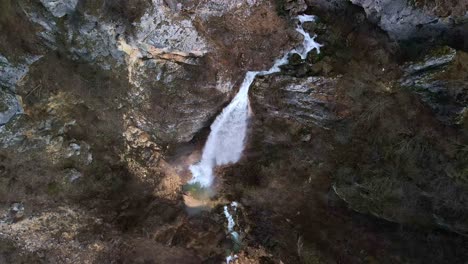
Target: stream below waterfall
{"type": "Point", "coordinates": [225, 142]}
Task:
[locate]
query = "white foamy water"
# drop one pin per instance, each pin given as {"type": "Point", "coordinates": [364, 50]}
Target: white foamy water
{"type": "Point", "coordinates": [225, 143]}
{"type": "Point", "coordinates": [229, 218]}
{"type": "Point", "coordinates": [230, 258]}
{"type": "Point", "coordinates": [230, 227]}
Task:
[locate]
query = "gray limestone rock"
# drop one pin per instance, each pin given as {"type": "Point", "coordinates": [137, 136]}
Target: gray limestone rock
{"type": "Point", "coordinates": [403, 20]}
{"type": "Point", "coordinates": [60, 8]}
{"type": "Point", "coordinates": [441, 80]}
{"type": "Point", "coordinates": [9, 106]}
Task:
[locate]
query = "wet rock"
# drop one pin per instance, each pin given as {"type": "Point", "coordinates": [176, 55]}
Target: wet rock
{"type": "Point", "coordinates": [295, 59]}
{"type": "Point", "coordinates": [440, 78]}
{"type": "Point", "coordinates": [314, 57]}
{"type": "Point", "coordinates": [309, 26]}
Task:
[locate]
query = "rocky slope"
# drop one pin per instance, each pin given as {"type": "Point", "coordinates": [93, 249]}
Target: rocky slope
{"type": "Point", "coordinates": [354, 155]}
{"type": "Point", "coordinates": [378, 125]}
{"type": "Point", "coordinates": [94, 94]}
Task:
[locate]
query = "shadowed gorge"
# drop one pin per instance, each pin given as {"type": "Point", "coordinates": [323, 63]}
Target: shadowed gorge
{"type": "Point", "coordinates": [233, 131]}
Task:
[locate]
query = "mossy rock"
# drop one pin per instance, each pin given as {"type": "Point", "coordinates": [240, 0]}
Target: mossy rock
{"type": "Point", "coordinates": [314, 57]}
{"type": "Point", "coordinates": [295, 59]}
{"type": "Point", "coordinates": [310, 26]}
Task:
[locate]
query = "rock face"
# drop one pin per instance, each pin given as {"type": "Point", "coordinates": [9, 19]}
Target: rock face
{"type": "Point", "coordinates": [308, 101]}
{"type": "Point", "coordinates": [104, 104]}
{"type": "Point", "coordinates": [404, 19]}
{"type": "Point", "coordinates": [9, 107]}
{"type": "Point", "coordinates": [442, 81]}
{"type": "Point", "coordinates": [11, 73]}
{"type": "Point", "coordinates": [60, 8]}
{"type": "Point", "coordinates": [10, 76]}
{"type": "Point", "coordinates": [92, 95]}
{"type": "Point", "coordinates": [430, 168]}
{"type": "Point", "coordinates": [141, 46]}
{"type": "Point", "coordinates": [361, 126]}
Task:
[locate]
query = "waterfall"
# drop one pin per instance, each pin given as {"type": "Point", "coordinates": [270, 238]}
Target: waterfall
{"type": "Point", "coordinates": [226, 140]}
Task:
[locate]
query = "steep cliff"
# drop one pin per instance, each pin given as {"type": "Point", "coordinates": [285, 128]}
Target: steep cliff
{"type": "Point", "coordinates": [357, 154]}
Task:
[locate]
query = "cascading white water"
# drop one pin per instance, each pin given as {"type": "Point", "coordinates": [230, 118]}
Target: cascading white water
{"type": "Point", "coordinates": [226, 140]}
{"type": "Point", "coordinates": [231, 225]}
